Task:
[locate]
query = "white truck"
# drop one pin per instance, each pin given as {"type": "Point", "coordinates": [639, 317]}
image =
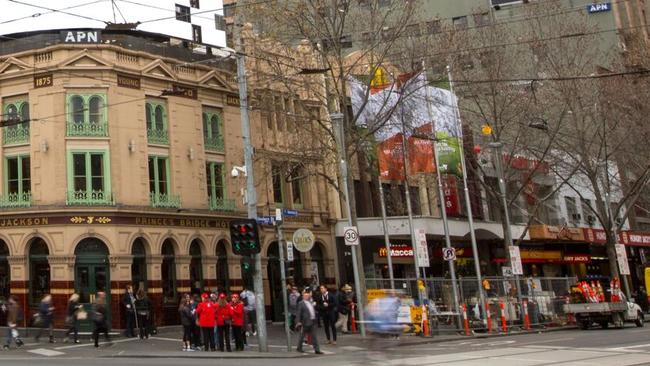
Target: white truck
{"type": "Point", "coordinates": [604, 313]}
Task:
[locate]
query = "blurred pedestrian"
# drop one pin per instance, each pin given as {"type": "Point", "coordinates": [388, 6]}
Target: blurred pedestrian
{"type": "Point", "coordinates": [99, 317]}
{"type": "Point", "coordinates": [224, 322]}
{"type": "Point", "coordinates": [238, 322]}
{"type": "Point", "coordinates": [206, 315]}
{"type": "Point", "coordinates": [294, 299]}
{"type": "Point", "coordinates": [143, 312]}
{"type": "Point", "coordinates": [45, 318]}
{"type": "Point", "coordinates": [345, 300]}
{"type": "Point", "coordinates": [13, 316]}
{"type": "Point", "coordinates": [185, 312]}
{"type": "Point", "coordinates": [71, 318]}
{"type": "Point", "coordinates": [194, 301]}
{"type": "Point", "coordinates": [128, 302]}
{"type": "Point", "coordinates": [306, 322]}
{"type": "Point", "coordinates": [326, 304]}
{"type": "Point", "coordinates": [250, 314]}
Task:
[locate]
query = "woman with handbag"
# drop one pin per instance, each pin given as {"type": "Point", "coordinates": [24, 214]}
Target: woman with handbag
{"type": "Point", "coordinates": [72, 318]}
{"type": "Point", "coordinates": [142, 309]}
{"type": "Point", "coordinates": [224, 321]}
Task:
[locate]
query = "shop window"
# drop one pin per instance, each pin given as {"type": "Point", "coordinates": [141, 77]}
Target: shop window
{"type": "Point", "coordinates": [139, 266]}
{"type": "Point", "coordinates": [168, 272]}
{"type": "Point", "coordinates": [39, 271]}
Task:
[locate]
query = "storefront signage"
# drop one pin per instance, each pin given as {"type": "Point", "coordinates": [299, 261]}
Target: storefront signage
{"type": "Point", "coordinates": [545, 255]}
{"type": "Point", "coordinates": [185, 92]}
{"type": "Point", "coordinates": [599, 8]}
{"type": "Point", "coordinates": [23, 222]}
{"type": "Point", "coordinates": [303, 240]}
{"type": "Point", "coordinates": [43, 80]}
{"type": "Point", "coordinates": [576, 258]}
{"type": "Point", "coordinates": [189, 222]}
{"type": "Point", "coordinates": [128, 81]}
{"type": "Point", "coordinates": [450, 193]}
{"type": "Point", "coordinates": [81, 36]}
{"type": "Point", "coordinates": [548, 232]}
{"type": "Point", "coordinates": [621, 257]}
{"type": "Point", "coordinates": [232, 100]}
{"type": "Point", "coordinates": [598, 236]}
{"type": "Point", "coordinates": [397, 251]}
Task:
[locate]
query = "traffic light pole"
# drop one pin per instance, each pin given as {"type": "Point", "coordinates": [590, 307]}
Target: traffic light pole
{"type": "Point", "coordinates": [283, 278]}
{"type": "Point", "coordinates": [251, 196]}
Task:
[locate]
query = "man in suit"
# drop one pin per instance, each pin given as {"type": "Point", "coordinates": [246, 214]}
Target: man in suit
{"type": "Point", "coordinates": [306, 321]}
{"type": "Point", "coordinates": [327, 308]}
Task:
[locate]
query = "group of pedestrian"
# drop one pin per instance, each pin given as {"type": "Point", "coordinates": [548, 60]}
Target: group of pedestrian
{"type": "Point", "coordinates": [219, 318]}
{"type": "Point", "coordinates": [137, 313]}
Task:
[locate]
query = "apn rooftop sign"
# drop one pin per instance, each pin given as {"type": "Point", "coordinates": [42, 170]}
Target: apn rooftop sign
{"type": "Point", "coordinates": [81, 36]}
{"type": "Point", "coordinates": [599, 8]}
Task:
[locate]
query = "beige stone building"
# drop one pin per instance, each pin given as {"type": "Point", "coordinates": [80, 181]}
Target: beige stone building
{"type": "Point", "coordinates": [115, 169]}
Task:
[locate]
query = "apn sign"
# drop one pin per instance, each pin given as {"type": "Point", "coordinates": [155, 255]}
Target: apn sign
{"type": "Point", "coordinates": [599, 8]}
{"type": "Point", "coordinates": [81, 36]}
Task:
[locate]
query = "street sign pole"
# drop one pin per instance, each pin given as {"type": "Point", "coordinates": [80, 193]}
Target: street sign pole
{"type": "Point", "coordinates": [283, 278]}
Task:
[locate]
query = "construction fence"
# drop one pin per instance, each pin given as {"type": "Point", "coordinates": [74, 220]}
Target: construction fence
{"type": "Point", "coordinates": [543, 298]}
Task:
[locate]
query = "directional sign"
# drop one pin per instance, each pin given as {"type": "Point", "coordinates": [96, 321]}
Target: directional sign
{"type": "Point", "coordinates": [351, 235]}
{"type": "Point", "coordinates": [289, 251]}
{"type": "Point", "coordinates": [266, 220]}
{"type": "Point", "coordinates": [449, 254]}
{"type": "Point", "coordinates": [278, 214]}
{"type": "Point", "coordinates": [289, 213]}
{"type": "Point", "coordinates": [515, 256]}
{"type": "Point", "coordinates": [621, 257]}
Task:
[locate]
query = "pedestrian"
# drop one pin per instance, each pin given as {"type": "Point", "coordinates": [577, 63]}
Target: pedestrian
{"type": "Point", "coordinates": [72, 319]}
{"type": "Point", "coordinates": [185, 312]}
{"type": "Point", "coordinates": [195, 300]}
{"type": "Point", "coordinates": [13, 316]}
{"type": "Point", "coordinates": [237, 322]}
{"type": "Point", "coordinates": [294, 299]}
{"type": "Point", "coordinates": [344, 308]}
{"type": "Point", "coordinates": [128, 302]}
{"type": "Point", "coordinates": [224, 321]}
{"type": "Point", "coordinates": [45, 318]}
{"type": "Point", "coordinates": [143, 312]}
{"type": "Point", "coordinates": [306, 322]}
{"type": "Point", "coordinates": [250, 314]}
{"type": "Point", "coordinates": [206, 317]}
{"type": "Point", "coordinates": [327, 308]}
{"type": "Point", "coordinates": [100, 321]}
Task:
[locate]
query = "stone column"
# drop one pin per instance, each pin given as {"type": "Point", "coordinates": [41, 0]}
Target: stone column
{"type": "Point", "coordinates": [183, 274]}
{"type": "Point", "coordinates": [234, 270]}
{"type": "Point", "coordinates": [154, 287]}
{"type": "Point", "coordinates": [19, 285]}
{"type": "Point", "coordinates": [209, 271]}
{"type": "Point", "coordinates": [61, 285]}
{"type": "Point", "coordinates": [120, 267]}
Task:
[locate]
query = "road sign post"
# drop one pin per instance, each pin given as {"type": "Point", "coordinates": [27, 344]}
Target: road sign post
{"type": "Point", "coordinates": [449, 254]}
{"type": "Point", "coordinates": [351, 235]}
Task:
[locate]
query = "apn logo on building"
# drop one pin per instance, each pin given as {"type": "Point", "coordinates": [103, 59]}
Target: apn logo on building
{"type": "Point", "coordinates": [81, 36]}
{"type": "Point", "coordinates": [599, 8]}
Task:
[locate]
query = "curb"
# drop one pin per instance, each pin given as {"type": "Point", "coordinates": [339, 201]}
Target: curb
{"type": "Point", "coordinates": [214, 357]}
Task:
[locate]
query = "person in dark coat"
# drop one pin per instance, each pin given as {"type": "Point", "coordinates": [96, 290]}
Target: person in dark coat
{"type": "Point", "coordinates": [326, 304]}
{"type": "Point", "coordinates": [71, 320]}
{"type": "Point", "coordinates": [128, 301]}
{"type": "Point", "coordinates": [185, 312]}
{"type": "Point", "coordinates": [143, 312]}
{"type": "Point", "coordinates": [306, 322]}
{"type": "Point", "coordinates": [46, 316]}
{"type": "Point", "coordinates": [100, 320]}
{"type": "Point", "coordinates": [13, 316]}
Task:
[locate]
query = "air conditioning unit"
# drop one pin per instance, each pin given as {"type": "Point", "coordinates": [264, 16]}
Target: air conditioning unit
{"type": "Point", "coordinates": [591, 220]}
{"type": "Point", "coordinates": [576, 217]}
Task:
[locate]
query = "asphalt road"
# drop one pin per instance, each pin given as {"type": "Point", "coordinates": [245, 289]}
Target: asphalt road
{"type": "Point", "coordinates": [629, 346]}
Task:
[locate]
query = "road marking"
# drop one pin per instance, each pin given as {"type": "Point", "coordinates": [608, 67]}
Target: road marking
{"type": "Point", "coordinates": [46, 352]}
{"type": "Point", "coordinates": [548, 341]}
{"type": "Point", "coordinates": [92, 344]}
{"type": "Point", "coordinates": [628, 347]}
{"type": "Point", "coordinates": [352, 348]}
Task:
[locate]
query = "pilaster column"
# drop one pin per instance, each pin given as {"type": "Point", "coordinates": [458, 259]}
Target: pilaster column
{"type": "Point", "coordinates": [61, 284]}
{"type": "Point", "coordinates": [209, 271]}
{"type": "Point", "coordinates": [154, 288]}
{"type": "Point", "coordinates": [183, 273]}
{"type": "Point", "coordinates": [120, 268]}
{"type": "Point", "coordinates": [19, 285]}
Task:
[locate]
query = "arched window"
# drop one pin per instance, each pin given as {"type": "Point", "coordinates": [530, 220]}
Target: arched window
{"type": "Point", "coordinates": [4, 271]}
{"type": "Point", "coordinates": [24, 111]}
{"type": "Point", "coordinates": [39, 270]}
{"type": "Point", "coordinates": [159, 118]}
{"type": "Point", "coordinates": [223, 275]}
{"type": "Point", "coordinates": [214, 125]}
{"type": "Point", "coordinates": [168, 270]}
{"type": "Point", "coordinates": [139, 266]}
{"type": "Point", "coordinates": [148, 116]}
{"type": "Point", "coordinates": [77, 106]}
{"type": "Point", "coordinates": [95, 108]}
{"type": "Point", "coordinates": [318, 262]}
{"type": "Point", "coordinates": [12, 112]}
{"type": "Point", "coordinates": [196, 268]}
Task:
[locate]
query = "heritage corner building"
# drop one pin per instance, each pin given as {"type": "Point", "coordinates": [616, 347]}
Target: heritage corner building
{"type": "Point", "coordinates": [115, 171]}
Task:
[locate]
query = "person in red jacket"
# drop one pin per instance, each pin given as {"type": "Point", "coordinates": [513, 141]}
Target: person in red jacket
{"type": "Point", "coordinates": [224, 320]}
{"type": "Point", "coordinates": [237, 322]}
{"type": "Point", "coordinates": [206, 315]}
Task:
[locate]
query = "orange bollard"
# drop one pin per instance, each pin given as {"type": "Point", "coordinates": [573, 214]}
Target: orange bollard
{"type": "Point", "coordinates": [488, 317]}
{"type": "Point", "coordinates": [465, 320]}
{"type": "Point", "coordinates": [354, 319]}
{"type": "Point", "coordinates": [425, 322]}
{"type": "Point", "coordinates": [504, 325]}
{"type": "Point", "coordinates": [526, 317]}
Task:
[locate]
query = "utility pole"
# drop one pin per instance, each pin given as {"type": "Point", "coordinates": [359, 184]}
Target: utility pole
{"type": "Point", "coordinates": [384, 221]}
{"type": "Point", "coordinates": [251, 194]}
{"type": "Point", "coordinates": [283, 278]}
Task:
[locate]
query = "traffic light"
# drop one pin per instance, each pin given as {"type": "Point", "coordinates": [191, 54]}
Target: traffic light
{"type": "Point", "coordinates": [247, 266]}
{"type": "Point", "coordinates": [244, 236]}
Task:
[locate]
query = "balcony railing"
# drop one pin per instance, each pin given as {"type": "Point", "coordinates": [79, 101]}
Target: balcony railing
{"type": "Point", "coordinates": [159, 200]}
{"type": "Point", "coordinates": [87, 129]}
{"type": "Point", "coordinates": [213, 143]}
{"type": "Point", "coordinates": [15, 135]}
{"type": "Point", "coordinates": [157, 137]}
{"type": "Point", "coordinates": [89, 198]}
{"type": "Point", "coordinates": [16, 200]}
{"type": "Point", "coordinates": [221, 204]}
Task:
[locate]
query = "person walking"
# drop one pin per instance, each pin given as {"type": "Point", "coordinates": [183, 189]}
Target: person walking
{"type": "Point", "coordinates": [327, 308]}
{"type": "Point", "coordinates": [46, 316]}
{"type": "Point", "coordinates": [224, 321]}
{"type": "Point", "coordinates": [237, 309]}
{"type": "Point", "coordinates": [306, 318]}
{"type": "Point", "coordinates": [250, 311]}
{"type": "Point", "coordinates": [194, 301]}
{"type": "Point", "coordinates": [13, 315]}
{"type": "Point", "coordinates": [206, 315]}
{"type": "Point", "coordinates": [344, 308]}
{"type": "Point", "coordinates": [71, 318]}
{"type": "Point", "coordinates": [185, 312]}
{"type": "Point", "coordinates": [100, 320]}
{"type": "Point", "coordinates": [294, 299]}
{"type": "Point", "coordinates": [143, 312]}
{"type": "Point", "coordinates": [128, 301]}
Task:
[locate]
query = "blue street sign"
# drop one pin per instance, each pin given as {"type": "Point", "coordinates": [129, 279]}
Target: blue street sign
{"type": "Point", "coordinates": [599, 8]}
{"type": "Point", "coordinates": [266, 220]}
{"type": "Point", "coordinates": [289, 213]}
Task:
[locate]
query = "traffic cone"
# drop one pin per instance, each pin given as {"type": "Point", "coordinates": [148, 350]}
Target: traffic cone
{"type": "Point", "coordinates": [488, 317]}
{"type": "Point", "coordinates": [504, 323]}
{"type": "Point", "coordinates": [526, 317]}
{"type": "Point", "coordinates": [354, 319]}
{"type": "Point", "coordinates": [465, 320]}
{"type": "Point", "coordinates": [425, 322]}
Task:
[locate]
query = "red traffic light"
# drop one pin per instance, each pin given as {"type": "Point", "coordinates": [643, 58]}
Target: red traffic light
{"type": "Point", "coordinates": [243, 229]}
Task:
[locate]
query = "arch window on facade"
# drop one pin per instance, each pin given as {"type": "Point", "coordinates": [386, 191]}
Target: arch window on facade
{"type": "Point", "coordinates": [157, 127]}
{"type": "Point", "coordinates": [217, 200]}
{"type": "Point", "coordinates": [4, 271]}
{"type": "Point", "coordinates": [213, 130]}
{"type": "Point", "coordinates": [223, 275]}
{"type": "Point", "coordinates": [17, 187]}
{"type": "Point", "coordinates": [87, 115]}
{"type": "Point", "coordinates": [159, 184]}
{"type": "Point", "coordinates": [196, 268]}
{"type": "Point", "coordinates": [317, 263]}
{"type": "Point", "coordinates": [39, 271]}
{"type": "Point", "coordinates": [277, 179]}
{"type": "Point", "coordinates": [17, 114]}
{"type": "Point", "coordinates": [139, 265]}
{"type": "Point", "coordinates": [168, 272]}
{"type": "Point", "coordinates": [89, 180]}
{"type": "Point", "coordinates": [296, 179]}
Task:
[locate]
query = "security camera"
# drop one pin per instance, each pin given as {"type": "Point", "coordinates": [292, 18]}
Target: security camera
{"type": "Point", "coordinates": [236, 170]}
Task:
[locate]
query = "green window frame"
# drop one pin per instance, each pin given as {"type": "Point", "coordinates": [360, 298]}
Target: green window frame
{"type": "Point", "coordinates": [18, 133]}
{"type": "Point", "coordinates": [156, 121]}
{"type": "Point", "coordinates": [87, 114]}
{"type": "Point", "coordinates": [298, 200]}
{"type": "Point", "coordinates": [213, 130]}
{"type": "Point", "coordinates": [17, 188]}
{"type": "Point", "coordinates": [215, 183]}
{"type": "Point", "coordinates": [160, 183]}
{"type": "Point", "coordinates": [89, 178]}
{"type": "Point", "coordinates": [277, 184]}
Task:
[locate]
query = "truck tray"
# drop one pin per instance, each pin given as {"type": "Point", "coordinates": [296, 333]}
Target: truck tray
{"type": "Point", "coordinates": [602, 307]}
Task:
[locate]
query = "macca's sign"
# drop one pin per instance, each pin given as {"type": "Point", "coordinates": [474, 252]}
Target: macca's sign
{"type": "Point", "coordinates": [397, 251]}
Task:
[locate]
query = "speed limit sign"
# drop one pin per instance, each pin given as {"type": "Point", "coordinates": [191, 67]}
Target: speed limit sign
{"type": "Point", "coordinates": [351, 235]}
{"type": "Point", "coordinates": [449, 254]}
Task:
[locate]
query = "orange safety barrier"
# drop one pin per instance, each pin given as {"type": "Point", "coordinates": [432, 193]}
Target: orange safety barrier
{"type": "Point", "coordinates": [526, 317]}
{"type": "Point", "coordinates": [488, 317]}
{"type": "Point", "coordinates": [504, 324]}
{"type": "Point", "coordinates": [465, 320]}
{"type": "Point", "coordinates": [354, 319]}
{"type": "Point", "coordinates": [425, 321]}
